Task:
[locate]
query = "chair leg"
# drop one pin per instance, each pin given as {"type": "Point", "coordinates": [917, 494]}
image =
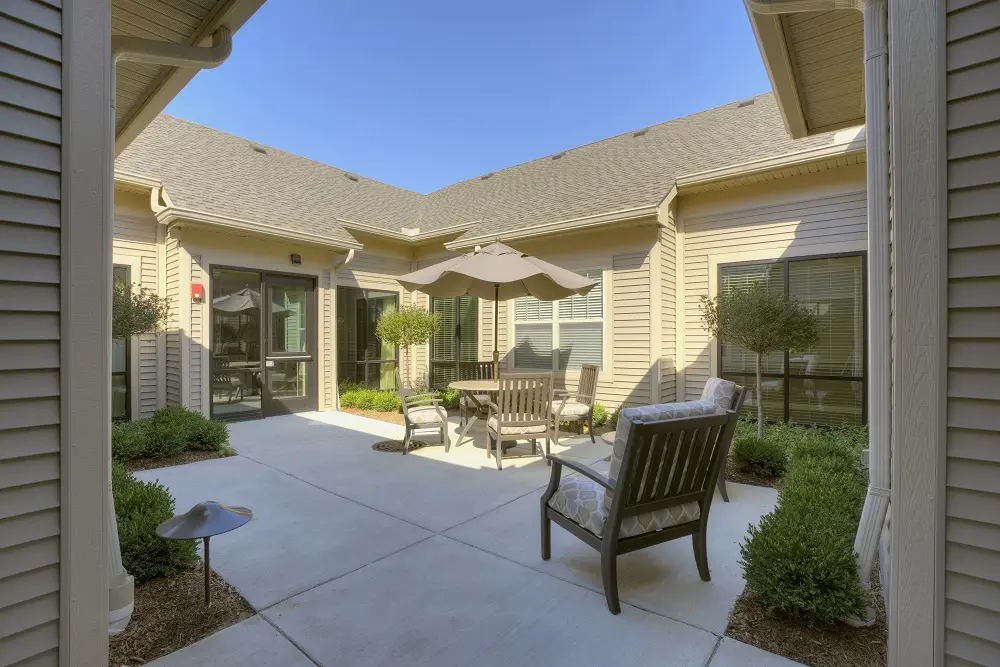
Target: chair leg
{"type": "Point", "coordinates": [548, 452]}
{"type": "Point", "coordinates": [546, 531]}
{"type": "Point", "coordinates": [609, 572]}
{"type": "Point", "coordinates": [590, 420]}
{"type": "Point", "coordinates": [406, 439]}
{"type": "Point", "coordinates": [499, 452]}
{"type": "Point", "coordinates": [445, 437]}
{"type": "Point", "coordinates": [721, 483]}
{"type": "Point", "coordinates": [534, 446]}
{"type": "Point", "coordinates": [701, 553]}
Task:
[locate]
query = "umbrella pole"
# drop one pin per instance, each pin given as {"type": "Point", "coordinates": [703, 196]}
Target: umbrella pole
{"type": "Point", "coordinates": [496, 329]}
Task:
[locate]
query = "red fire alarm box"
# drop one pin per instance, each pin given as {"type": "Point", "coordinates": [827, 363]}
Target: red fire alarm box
{"type": "Point", "coordinates": [197, 292]}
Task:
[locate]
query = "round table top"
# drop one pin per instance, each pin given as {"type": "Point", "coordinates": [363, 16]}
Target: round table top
{"type": "Point", "coordinates": [608, 437]}
{"type": "Point", "coordinates": [475, 385]}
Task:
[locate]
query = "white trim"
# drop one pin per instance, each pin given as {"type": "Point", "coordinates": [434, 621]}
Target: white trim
{"type": "Point", "coordinates": [773, 254]}
{"type": "Point", "coordinates": [408, 235]}
{"type": "Point", "coordinates": [571, 224]}
{"type": "Point", "coordinates": [171, 214]}
{"type": "Point", "coordinates": [136, 180]}
{"type": "Point", "coordinates": [770, 38]}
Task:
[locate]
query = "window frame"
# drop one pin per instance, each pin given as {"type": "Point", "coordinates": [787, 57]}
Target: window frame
{"type": "Point", "coordinates": [127, 416]}
{"type": "Point", "coordinates": [555, 323]}
{"type": "Point", "coordinates": [343, 363]}
{"type": "Point", "coordinates": [787, 376]}
{"type": "Point", "coordinates": [431, 361]}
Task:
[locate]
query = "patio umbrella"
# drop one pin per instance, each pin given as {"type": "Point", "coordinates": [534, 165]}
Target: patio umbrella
{"type": "Point", "coordinates": [497, 272]}
{"type": "Point", "coordinates": [244, 299]}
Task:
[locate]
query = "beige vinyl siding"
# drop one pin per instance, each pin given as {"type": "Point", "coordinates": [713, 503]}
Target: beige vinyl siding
{"type": "Point", "coordinates": [630, 330]}
{"type": "Point", "coordinates": [197, 342]}
{"type": "Point", "coordinates": [173, 333]}
{"type": "Point", "coordinates": [30, 164]}
{"type": "Point", "coordinates": [668, 303]}
{"type": "Point", "coordinates": [810, 215]}
{"type": "Point", "coordinates": [135, 243]}
{"type": "Point", "coordinates": [972, 505]}
{"type": "Point", "coordinates": [329, 355]}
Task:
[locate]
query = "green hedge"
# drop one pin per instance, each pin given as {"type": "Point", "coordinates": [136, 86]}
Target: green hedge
{"type": "Point", "coordinates": [171, 431]}
{"type": "Point", "coordinates": [384, 400]}
{"type": "Point", "coordinates": [800, 562]}
{"type": "Point", "coordinates": [600, 415]}
{"type": "Point", "coordinates": [140, 508]}
{"type": "Point", "coordinates": [764, 458]}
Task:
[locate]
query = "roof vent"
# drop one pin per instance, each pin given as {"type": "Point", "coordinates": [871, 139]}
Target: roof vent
{"type": "Point", "coordinates": [258, 149]}
{"type": "Point", "coordinates": [351, 177]}
{"type": "Point", "coordinates": [639, 133]}
{"type": "Point", "coordinates": [558, 155]}
{"type": "Point", "coordinates": [746, 102]}
{"type": "Point", "coordinates": [485, 176]}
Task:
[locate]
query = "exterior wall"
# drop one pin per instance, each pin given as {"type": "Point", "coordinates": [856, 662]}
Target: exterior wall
{"type": "Point", "coordinates": [629, 373]}
{"type": "Point", "coordinates": [809, 215]}
{"type": "Point", "coordinates": [972, 499]}
{"type": "Point", "coordinates": [134, 245]}
{"type": "Point", "coordinates": [30, 220]}
{"type": "Point", "coordinates": [668, 305]}
{"type": "Point", "coordinates": [173, 379]}
{"type": "Point", "coordinates": [199, 250]}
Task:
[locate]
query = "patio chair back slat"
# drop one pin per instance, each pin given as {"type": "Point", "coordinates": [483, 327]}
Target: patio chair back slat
{"type": "Point", "coordinates": [525, 399]}
{"type": "Point", "coordinates": [700, 463]}
{"type": "Point", "coordinates": [677, 471]}
{"type": "Point", "coordinates": [670, 451]}
{"type": "Point", "coordinates": [588, 383]}
{"type": "Point", "coordinates": [475, 370]}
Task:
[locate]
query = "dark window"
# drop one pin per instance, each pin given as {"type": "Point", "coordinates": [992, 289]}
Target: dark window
{"type": "Point", "coordinates": [826, 384]}
{"type": "Point", "coordinates": [456, 339]}
{"type": "Point", "coordinates": [361, 356]}
{"type": "Point", "coordinates": [120, 362]}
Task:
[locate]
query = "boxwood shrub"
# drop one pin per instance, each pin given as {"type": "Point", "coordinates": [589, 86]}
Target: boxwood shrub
{"type": "Point", "coordinates": [764, 458]}
{"type": "Point", "coordinates": [140, 508]}
{"type": "Point", "coordinates": [171, 431]}
{"type": "Point", "coordinates": [800, 561]}
{"type": "Point", "coordinates": [600, 415]}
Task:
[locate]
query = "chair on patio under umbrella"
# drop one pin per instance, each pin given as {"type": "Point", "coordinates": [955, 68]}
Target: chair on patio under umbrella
{"type": "Point", "coordinates": [497, 272]}
{"type": "Point", "coordinates": [421, 412]}
{"type": "Point", "coordinates": [523, 411]}
{"type": "Point", "coordinates": [664, 466]}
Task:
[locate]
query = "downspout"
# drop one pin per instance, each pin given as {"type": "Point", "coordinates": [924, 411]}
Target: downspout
{"type": "Point", "coordinates": [333, 326]}
{"type": "Point", "coordinates": [121, 595]}
{"type": "Point", "coordinates": [876, 18]}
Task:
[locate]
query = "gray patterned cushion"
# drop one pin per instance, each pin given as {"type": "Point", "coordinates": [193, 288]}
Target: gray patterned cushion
{"type": "Point", "coordinates": [424, 415]}
{"type": "Point", "coordinates": [720, 392]}
{"type": "Point", "coordinates": [539, 429]}
{"type": "Point", "coordinates": [645, 414]}
{"type": "Point", "coordinates": [583, 501]}
{"type": "Point", "coordinates": [571, 408]}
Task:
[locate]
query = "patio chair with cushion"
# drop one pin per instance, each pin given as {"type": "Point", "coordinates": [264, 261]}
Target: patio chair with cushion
{"type": "Point", "coordinates": [473, 370]}
{"type": "Point", "coordinates": [577, 406]}
{"type": "Point", "coordinates": [660, 486]}
{"type": "Point", "coordinates": [726, 395]}
{"type": "Point", "coordinates": [523, 411]}
{"type": "Point", "coordinates": [421, 412]}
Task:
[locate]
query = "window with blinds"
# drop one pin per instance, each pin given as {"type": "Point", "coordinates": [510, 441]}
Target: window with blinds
{"type": "Point", "coordinates": [824, 385]}
{"type": "Point", "coordinates": [456, 339]}
{"type": "Point", "coordinates": [561, 335]}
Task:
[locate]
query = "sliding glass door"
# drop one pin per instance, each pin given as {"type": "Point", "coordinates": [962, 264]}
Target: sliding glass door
{"type": "Point", "coordinates": [825, 384]}
{"type": "Point", "coordinates": [290, 361]}
{"type": "Point", "coordinates": [362, 357]}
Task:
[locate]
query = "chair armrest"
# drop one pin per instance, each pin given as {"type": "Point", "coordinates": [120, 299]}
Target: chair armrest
{"type": "Point", "coordinates": [420, 400]}
{"type": "Point", "coordinates": [590, 473]}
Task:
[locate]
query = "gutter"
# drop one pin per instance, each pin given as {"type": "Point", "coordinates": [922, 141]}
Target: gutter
{"type": "Point", "coordinates": [407, 234]}
{"type": "Point", "coordinates": [168, 215]}
{"type": "Point", "coordinates": [136, 180]}
{"type": "Point", "coordinates": [571, 224]}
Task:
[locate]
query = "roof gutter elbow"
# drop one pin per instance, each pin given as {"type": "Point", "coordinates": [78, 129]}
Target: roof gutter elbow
{"type": "Point", "coordinates": [156, 52]}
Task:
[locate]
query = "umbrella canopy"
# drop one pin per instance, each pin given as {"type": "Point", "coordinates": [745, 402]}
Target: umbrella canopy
{"type": "Point", "coordinates": [497, 272]}
{"type": "Point", "coordinates": [244, 299]}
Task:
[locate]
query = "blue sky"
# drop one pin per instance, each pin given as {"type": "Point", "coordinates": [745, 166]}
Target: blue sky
{"type": "Point", "coordinates": [421, 94]}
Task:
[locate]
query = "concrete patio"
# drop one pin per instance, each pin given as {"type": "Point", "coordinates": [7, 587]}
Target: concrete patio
{"type": "Point", "coordinates": [358, 557]}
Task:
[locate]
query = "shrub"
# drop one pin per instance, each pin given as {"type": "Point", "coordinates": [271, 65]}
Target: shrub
{"type": "Point", "coordinates": [449, 398]}
{"type": "Point", "coordinates": [764, 458]}
{"type": "Point", "coordinates": [210, 435]}
{"type": "Point", "coordinates": [600, 415]}
{"type": "Point", "coordinates": [171, 431]}
{"type": "Point", "coordinates": [360, 398]}
{"type": "Point", "coordinates": [129, 440]}
{"type": "Point", "coordinates": [384, 401]}
{"type": "Point", "coordinates": [140, 508]}
{"type": "Point", "coordinates": [800, 560]}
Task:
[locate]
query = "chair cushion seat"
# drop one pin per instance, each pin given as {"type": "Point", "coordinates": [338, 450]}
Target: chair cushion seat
{"type": "Point", "coordinates": [572, 408]}
{"type": "Point", "coordinates": [582, 500]}
{"type": "Point", "coordinates": [482, 398]}
{"type": "Point", "coordinates": [424, 415]}
{"type": "Point", "coordinates": [537, 429]}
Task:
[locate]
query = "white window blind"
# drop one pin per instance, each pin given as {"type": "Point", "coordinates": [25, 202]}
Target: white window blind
{"type": "Point", "coordinates": [572, 327]}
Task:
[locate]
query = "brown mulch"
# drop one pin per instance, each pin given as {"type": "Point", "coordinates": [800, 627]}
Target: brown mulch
{"type": "Point", "coordinates": [391, 417]}
{"type": "Point", "coordinates": [734, 475]}
{"type": "Point", "coordinates": [841, 646]}
{"type": "Point", "coordinates": [170, 613]}
{"type": "Point", "coordinates": [192, 456]}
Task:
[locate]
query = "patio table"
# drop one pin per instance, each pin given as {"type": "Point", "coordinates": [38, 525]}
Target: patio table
{"type": "Point", "coordinates": [471, 388]}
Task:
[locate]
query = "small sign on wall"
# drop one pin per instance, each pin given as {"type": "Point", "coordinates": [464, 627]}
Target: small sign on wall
{"type": "Point", "coordinates": [197, 292]}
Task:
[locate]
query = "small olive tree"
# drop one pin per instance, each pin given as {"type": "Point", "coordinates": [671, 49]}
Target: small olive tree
{"type": "Point", "coordinates": [410, 325]}
{"type": "Point", "coordinates": [761, 321]}
{"type": "Point", "coordinates": [137, 310]}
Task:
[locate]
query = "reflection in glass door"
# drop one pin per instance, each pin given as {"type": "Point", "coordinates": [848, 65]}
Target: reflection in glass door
{"type": "Point", "coordinates": [236, 353]}
{"type": "Point", "coordinates": [290, 361]}
{"type": "Point", "coordinates": [362, 357]}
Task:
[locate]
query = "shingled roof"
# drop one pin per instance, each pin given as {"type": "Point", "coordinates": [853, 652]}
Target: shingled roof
{"type": "Point", "coordinates": [208, 170]}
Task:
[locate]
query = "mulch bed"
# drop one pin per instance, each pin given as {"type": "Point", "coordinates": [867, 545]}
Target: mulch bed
{"type": "Point", "coordinates": [840, 646]}
{"type": "Point", "coordinates": [192, 456]}
{"type": "Point", "coordinates": [391, 417]}
{"type": "Point", "coordinates": [170, 613]}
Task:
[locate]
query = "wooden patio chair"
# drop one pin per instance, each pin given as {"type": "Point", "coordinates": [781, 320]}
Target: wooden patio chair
{"type": "Point", "coordinates": [523, 411]}
{"type": "Point", "coordinates": [421, 412]}
{"type": "Point", "coordinates": [473, 370]}
{"type": "Point", "coordinates": [577, 406]}
{"type": "Point", "coordinates": [728, 395]}
{"type": "Point", "coordinates": [660, 486]}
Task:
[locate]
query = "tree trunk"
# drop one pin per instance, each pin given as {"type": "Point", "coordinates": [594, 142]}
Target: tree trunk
{"type": "Point", "coordinates": [760, 403]}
